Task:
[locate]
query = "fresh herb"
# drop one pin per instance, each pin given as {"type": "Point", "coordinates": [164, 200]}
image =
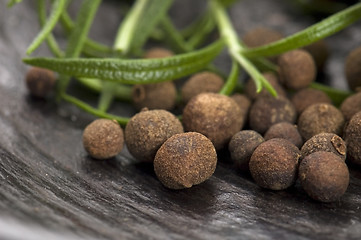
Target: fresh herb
{"type": "Point", "coordinates": [113, 70]}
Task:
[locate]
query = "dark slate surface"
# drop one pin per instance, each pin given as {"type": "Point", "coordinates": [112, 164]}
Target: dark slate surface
{"type": "Point", "coordinates": [50, 189]}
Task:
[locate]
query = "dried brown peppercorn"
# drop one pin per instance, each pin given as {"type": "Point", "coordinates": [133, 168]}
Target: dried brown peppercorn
{"type": "Point", "coordinates": [103, 138]}
{"type": "Point", "coordinates": [319, 52]}
{"type": "Point", "coordinates": [185, 160]}
{"type": "Point", "coordinates": [241, 147]}
{"type": "Point", "coordinates": [324, 176]}
{"type": "Point", "coordinates": [267, 111]}
{"type": "Point", "coordinates": [351, 105]}
{"type": "Point", "coordinates": [244, 105]}
{"type": "Point", "coordinates": [274, 164]}
{"type": "Point", "coordinates": [200, 83]}
{"type": "Point", "coordinates": [158, 52]}
{"type": "Point", "coordinates": [308, 96]}
{"type": "Point", "coordinates": [352, 69]}
{"type": "Point", "coordinates": [319, 118]}
{"type": "Point", "coordinates": [216, 116]}
{"type": "Point", "coordinates": [286, 131]}
{"type": "Point", "coordinates": [148, 130]}
{"type": "Point", "coordinates": [261, 36]}
{"type": "Point", "coordinates": [297, 69]}
{"type": "Point", "coordinates": [251, 90]}
{"type": "Point", "coordinates": [40, 82]}
{"type": "Point", "coordinates": [352, 138]}
{"type": "Point", "coordinates": [326, 142]}
{"type": "Point", "coordinates": [154, 96]}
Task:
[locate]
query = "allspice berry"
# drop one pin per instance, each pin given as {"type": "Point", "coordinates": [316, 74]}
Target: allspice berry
{"type": "Point", "coordinates": [158, 52]}
{"type": "Point", "coordinates": [319, 118]}
{"type": "Point", "coordinates": [242, 146]}
{"type": "Point", "coordinates": [103, 139]}
{"type": "Point", "coordinates": [267, 111]}
{"type": "Point", "coordinates": [352, 69]}
{"type": "Point", "coordinates": [154, 96]}
{"type": "Point", "coordinates": [147, 130]}
{"type": "Point", "coordinates": [297, 69]}
{"type": "Point", "coordinates": [352, 138]}
{"type": "Point", "coordinates": [216, 116]}
{"type": "Point", "coordinates": [319, 52]}
{"type": "Point", "coordinates": [274, 164]}
{"type": "Point", "coordinates": [185, 160]}
{"type": "Point", "coordinates": [40, 82]}
{"type": "Point", "coordinates": [251, 90]}
{"type": "Point", "coordinates": [244, 105]}
{"type": "Point", "coordinates": [261, 36]}
{"type": "Point", "coordinates": [324, 176]}
{"type": "Point", "coordinates": [201, 83]}
{"type": "Point", "coordinates": [286, 131]}
{"type": "Point", "coordinates": [326, 142]}
{"type": "Point", "coordinates": [304, 98]}
{"type": "Point", "coordinates": [351, 105]}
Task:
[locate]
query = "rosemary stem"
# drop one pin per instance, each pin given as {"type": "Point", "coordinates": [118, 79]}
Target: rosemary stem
{"type": "Point", "coordinates": [230, 36]}
{"type": "Point", "coordinates": [82, 105]}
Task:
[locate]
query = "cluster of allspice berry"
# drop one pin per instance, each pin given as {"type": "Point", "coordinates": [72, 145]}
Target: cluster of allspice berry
{"type": "Point", "coordinates": [298, 135]}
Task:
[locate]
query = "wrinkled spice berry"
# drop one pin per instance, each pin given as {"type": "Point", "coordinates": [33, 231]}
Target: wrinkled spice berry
{"type": "Point", "coordinates": [185, 160]}
{"type": "Point", "coordinates": [352, 69]}
{"type": "Point", "coordinates": [158, 52]}
{"type": "Point", "coordinates": [353, 139]}
{"type": "Point", "coordinates": [319, 52]}
{"type": "Point", "coordinates": [103, 139]}
{"type": "Point", "coordinates": [244, 105]}
{"type": "Point", "coordinates": [286, 131]}
{"type": "Point", "coordinates": [201, 83]}
{"type": "Point", "coordinates": [40, 82]}
{"type": "Point", "coordinates": [154, 96]}
{"type": "Point", "coordinates": [274, 164]}
{"type": "Point", "coordinates": [261, 36]}
{"type": "Point", "coordinates": [319, 118]}
{"type": "Point", "coordinates": [241, 147]}
{"type": "Point", "coordinates": [148, 130]}
{"type": "Point", "coordinates": [251, 90]}
{"type": "Point", "coordinates": [297, 69]}
{"type": "Point", "coordinates": [216, 116]}
{"type": "Point", "coordinates": [326, 142]}
{"type": "Point", "coordinates": [307, 97]}
{"type": "Point", "coordinates": [267, 111]}
{"type": "Point", "coordinates": [351, 105]}
{"type": "Point", "coordinates": [324, 176]}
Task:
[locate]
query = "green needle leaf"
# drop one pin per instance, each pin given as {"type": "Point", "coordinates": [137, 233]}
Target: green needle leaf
{"type": "Point", "coordinates": [231, 82]}
{"type": "Point", "coordinates": [138, 71]}
{"type": "Point", "coordinates": [155, 11]}
{"type": "Point", "coordinates": [309, 35]}
{"type": "Point", "coordinates": [13, 2]}
{"type": "Point", "coordinates": [57, 8]}
{"type": "Point", "coordinates": [53, 45]}
{"type": "Point", "coordinates": [86, 107]}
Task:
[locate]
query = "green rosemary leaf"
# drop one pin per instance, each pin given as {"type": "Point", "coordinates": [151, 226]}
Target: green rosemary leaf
{"type": "Point", "coordinates": [13, 2]}
{"type": "Point", "coordinates": [173, 37]}
{"type": "Point", "coordinates": [121, 91]}
{"type": "Point", "coordinates": [91, 48]}
{"type": "Point", "coordinates": [77, 38]}
{"type": "Point", "coordinates": [231, 82]}
{"type": "Point", "coordinates": [57, 8]}
{"type": "Point", "coordinates": [309, 35]}
{"type": "Point", "coordinates": [136, 71]}
{"type": "Point", "coordinates": [53, 45]}
{"type": "Point", "coordinates": [86, 107]}
{"type": "Point", "coordinates": [227, 3]}
{"type": "Point", "coordinates": [81, 28]}
{"type": "Point", "coordinates": [155, 10]}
